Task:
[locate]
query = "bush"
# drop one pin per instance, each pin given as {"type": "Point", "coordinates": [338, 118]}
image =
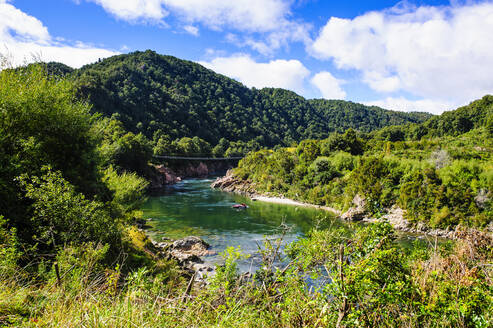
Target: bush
{"type": "Point", "coordinates": [128, 190]}
{"type": "Point", "coordinates": [42, 123]}
{"type": "Point", "coordinates": [342, 161]}
{"type": "Point", "coordinates": [9, 252]}
{"type": "Point", "coordinates": [322, 171]}
{"type": "Point", "coordinates": [62, 216]}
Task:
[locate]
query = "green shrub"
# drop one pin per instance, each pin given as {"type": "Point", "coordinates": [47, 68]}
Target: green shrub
{"type": "Point", "coordinates": [342, 161]}
{"type": "Point", "coordinates": [62, 216]}
{"type": "Point", "coordinates": [128, 190]}
{"type": "Point", "coordinates": [9, 250]}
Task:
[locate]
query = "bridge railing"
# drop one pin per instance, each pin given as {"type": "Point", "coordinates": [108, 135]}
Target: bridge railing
{"type": "Point", "coordinates": [196, 158]}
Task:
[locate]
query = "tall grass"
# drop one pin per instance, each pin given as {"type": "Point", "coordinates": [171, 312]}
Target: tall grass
{"type": "Point", "coordinates": [450, 287]}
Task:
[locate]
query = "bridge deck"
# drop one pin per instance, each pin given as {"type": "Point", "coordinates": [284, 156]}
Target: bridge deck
{"type": "Point", "coordinates": [198, 158]}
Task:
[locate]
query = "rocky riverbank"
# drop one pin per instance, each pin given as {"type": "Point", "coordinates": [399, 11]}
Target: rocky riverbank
{"type": "Point", "coordinates": [171, 174]}
{"type": "Point", "coordinates": [395, 215]}
{"type": "Point", "coordinates": [188, 253]}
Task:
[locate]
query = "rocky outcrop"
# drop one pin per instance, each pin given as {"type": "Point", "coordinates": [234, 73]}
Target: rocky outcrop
{"type": "Point", "coordinates": [188, 252]}
{"type": "Point", "coordinates": [395, 216]}
{"type": "Point", "coordinates": [230, 183]}
{"type": "Point", "coordinates": [169, 175]}
{"type": "Point", "coordinates": [162, 176]}
{"type": "Point", "coordinates": [191, 245]}
{"type": "Point", "coordinates": [357, 212]}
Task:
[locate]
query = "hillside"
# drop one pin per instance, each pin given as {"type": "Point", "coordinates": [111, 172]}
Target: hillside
{"type": "Point", "coordinates": [165, 96]}
{"type": "Point", "coordinates": [439, 172]}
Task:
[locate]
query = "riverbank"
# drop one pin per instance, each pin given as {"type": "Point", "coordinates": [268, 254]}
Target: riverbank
{"type": "Point", "coordinates": [188, 252]}
{"type": "Point", "coordinates": [395, 215]}
{"type": "Point", "coordinates": [170, 174]}
{"type": "Point", "coordinates": [287, 201]}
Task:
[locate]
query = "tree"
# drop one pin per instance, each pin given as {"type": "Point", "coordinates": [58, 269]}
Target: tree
{"type": "Point", "coordinates": [220, 149]}
{"type": "Point", "coordinates": [43, 123]}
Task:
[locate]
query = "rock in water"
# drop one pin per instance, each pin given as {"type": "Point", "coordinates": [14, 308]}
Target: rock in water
{"type": "Point", "coordinates": [191, 245]}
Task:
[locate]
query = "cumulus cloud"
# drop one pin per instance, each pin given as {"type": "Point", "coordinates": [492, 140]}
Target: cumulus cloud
{"type": "Point", "coordinates": [24, 38]}
{"type": "Point", "coordinates": [440, 53]}
{"type": "Point", "coordinates": [287, 74]}
{"type": "Point", "coordinates": [328, 85]}
{"type": "Point", "coordinates": [406, 105]}
{"type": "Point", "coordinates": [267, 23]}
{"type": "Point", "coordinates": [132, 10]}
{"type": "Point", "coordinates": [246, 15]}
{"type": "Point", "coordinates": [191, 30]}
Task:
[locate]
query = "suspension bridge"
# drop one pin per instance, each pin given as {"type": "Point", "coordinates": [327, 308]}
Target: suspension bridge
{"type": "Point", "coordinates": [173, 157]}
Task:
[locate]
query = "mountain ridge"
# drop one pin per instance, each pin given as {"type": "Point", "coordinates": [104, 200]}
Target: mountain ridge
{"type": "Point", "coordinates": [162, 95]}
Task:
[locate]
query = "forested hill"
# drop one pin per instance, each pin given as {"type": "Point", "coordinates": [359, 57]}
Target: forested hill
{"type": "Point", "coordinates": [342, 115]}
{"type": "Point", "coordinates": [165, 96]}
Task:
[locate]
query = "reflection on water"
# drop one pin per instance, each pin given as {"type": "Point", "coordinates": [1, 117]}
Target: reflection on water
{"type": "Point", "coordinates": [191, 207]}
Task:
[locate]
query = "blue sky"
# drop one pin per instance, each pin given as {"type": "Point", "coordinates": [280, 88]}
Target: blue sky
{"type": "Point", "coordinates": [410, 55]}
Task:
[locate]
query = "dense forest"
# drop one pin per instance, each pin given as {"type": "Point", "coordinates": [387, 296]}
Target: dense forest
{"type": "Point", "coordinates": [168, 99]}
{"type": "Point", "coordinates": [71, 254]}
{"type": "Point", "coordinates": [440, 172]}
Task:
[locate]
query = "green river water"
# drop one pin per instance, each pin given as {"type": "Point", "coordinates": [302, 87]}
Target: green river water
{"type": "Point", "coordinates": [191, 207]}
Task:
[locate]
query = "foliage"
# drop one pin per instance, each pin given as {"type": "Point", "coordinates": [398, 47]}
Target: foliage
{"type": "Point", "coordinates": [374, 282]}
{"type": "Point", "coordinates": [42, 123]}
{"type": "Point", "coordinates": [227, 274]}
{"type": "Point", "coordinates": [166, 98]}
{"type": "Point", "coordinates": [54, 189]}
{"type": "Point", "coordinates": [61, 215]}
{"type": "Point", "coordinates": [441, 182]}
{"type": "Point", "coordinates": [128, 190]}
{"type": "Point", "coordinates": [123, 150]}
{"type": "Point", "coordinates": [9, 252]}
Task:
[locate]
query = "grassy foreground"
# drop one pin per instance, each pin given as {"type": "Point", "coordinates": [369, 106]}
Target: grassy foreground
{"type": "Point", "coordinates": [375, 283]}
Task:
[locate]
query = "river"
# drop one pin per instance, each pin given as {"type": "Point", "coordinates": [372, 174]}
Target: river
{"type": "Point", "coordinates": [191, 207]}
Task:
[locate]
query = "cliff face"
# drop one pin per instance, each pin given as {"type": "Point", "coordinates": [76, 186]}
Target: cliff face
{"type": "Point", "coordinates": [168, 175]}
{"type": "Point", "coordinates": [201, 169]}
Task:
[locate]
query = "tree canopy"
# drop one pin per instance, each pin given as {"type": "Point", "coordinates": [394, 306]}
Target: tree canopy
{"type": "Point", "coordinates": [163, 96]}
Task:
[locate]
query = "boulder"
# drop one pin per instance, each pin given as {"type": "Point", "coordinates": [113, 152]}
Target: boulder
{"type": "Point", "coordinates": [358, 211]}
{"type": "Point", "coordinates": [225, 181]}
{"type": "Point", "coordinates": [191, 245]}
{"type": "Point", "coordinates": [163, 176]}
{"type": "Point", "coordinates": [185, 259]}
{"type": "Point", "coordinates": [230, 183]}
{"type": "Point", "coordinates": [395, 216]}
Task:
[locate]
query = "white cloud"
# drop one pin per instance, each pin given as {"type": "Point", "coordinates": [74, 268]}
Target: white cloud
{"type": "Point", "coordinates": [26, 27]}
{"type": "Point", "coordinates": [329, 86]}
{"type": "Point", "coordinates": [403, 104]}
{"type": "Point", "coordinates": [191, 30]}
{"type": "Point", "coordinates": [287, 74]}
{"type": "Point", "coordinates": [246, 15]}
{"type": "Point", "coordinates": [24, 38]}
{"type": "Point", "coordinates": [267, 23]}
{"type": "Point", "coordinates": [132, 10]}
{"type": "Point", "coordinates": [377, 81]}
{"type": "Point", "coordinates": [287, 31]}
{"type": "Point", "coordinates": [440, 53]}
